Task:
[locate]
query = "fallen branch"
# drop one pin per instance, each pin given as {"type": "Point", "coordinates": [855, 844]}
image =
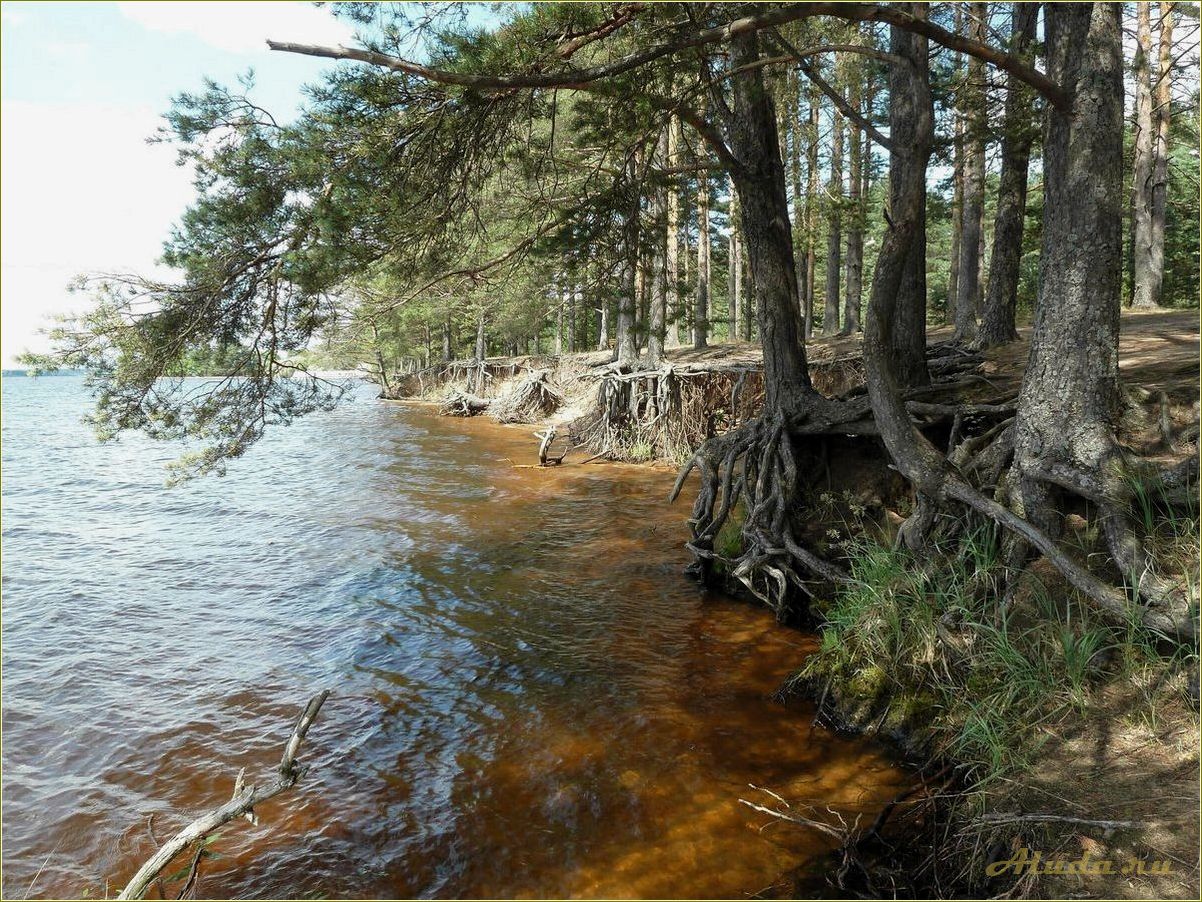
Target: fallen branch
{"type": "Point", "coordinates": [242, 803]}
{"type": "Point", "coordinates": [461, 404]}
{"type": "Point", "coordinates": [1016, 818]}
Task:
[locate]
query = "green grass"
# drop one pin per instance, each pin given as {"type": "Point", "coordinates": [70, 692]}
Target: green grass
{"type": "Point", "coordinates": [930, 633]}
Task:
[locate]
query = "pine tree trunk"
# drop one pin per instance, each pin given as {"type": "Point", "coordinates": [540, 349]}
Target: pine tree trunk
{"type": "Point", "coordinates": [855, 228]}
{"type": "Point", "coordinates": [446, 341]}
{"type": "Point", "coordinates": [811, 205]}
{"type": "Point", "coordinates": [1141, 183]}
{"type": "Point", "coordinates": [973, 209]}
{"type": "Point", "coordinates": [672, 241]}
{"type": "Point", "coordinates": [1162, 100]}
{"type": "Point", "coordinates": [477, 380]}
{"type": "Point", "coordinates": [834, 233]}
{"type": "Point", "coordinates": [1070, 392]}
{"type": "Point", "coordinates": [957, 110]}
{"type": "Point", "coordinates": [557, 294]}
{"type": "Point", "coordinates": [603, 325]}
{"type": "Point", "coordinates": [702, 298]}
{"type": "Point", "coordinates": [735, 267]}
{"type": "Point", "coordinates": [800, 206]}
{"type": "Point", "coordinates": [625, 350]}
{"type": "Point", "coordinates": [997, 320]}
{"type": "Point", "coordinates": [911, 127]}
{"type": "Point", "coordinates": [573, 304]}
{"type": "Point", "coordinates": [658, 298]}
{"type": "Point", "coordinates": [760, 180]}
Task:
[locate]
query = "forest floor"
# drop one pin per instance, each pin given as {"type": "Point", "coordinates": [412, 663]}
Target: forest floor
{"type": "Point", "coordinates": [1108, 768]}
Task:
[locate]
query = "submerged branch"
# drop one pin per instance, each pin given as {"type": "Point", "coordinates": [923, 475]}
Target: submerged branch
{"type": "Point", "coordinates": [242, 803]}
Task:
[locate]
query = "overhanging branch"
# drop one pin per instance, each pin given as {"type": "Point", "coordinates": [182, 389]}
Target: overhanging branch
{"type": "Point", "coordinates": [577, 78]}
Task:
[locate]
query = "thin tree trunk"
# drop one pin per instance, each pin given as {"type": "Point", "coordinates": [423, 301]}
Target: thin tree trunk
{"type": "Point", "coordinates": [672, 244]}
{"type": "Point", "coordinates": [800, 206]}
{"type": "Point", "coordinates": [855, 228]}
{"type": "Point", "coordinates": [811, 235]}
{"type": "Point", "coordinates": [446, 341]}
{"type": "Point", "coordinates": [560, 296]}
{"type": "Point", "coordinates": [686, 262]}
{"type": "Point", "coordinates": [573, 304]}
{"type": "Point", "coordinates": [1141, 184]}
{"type": "Point", "coordinates": [735, 267]}
{"type": "Point", "coordinates": [476, 383]}
{"type": "Point", "coordinates": [702, 298]}
{"type": "Point", "coordinates": [997, 321]}
{"type": "Point", "coordinates": [968, 283]}
{"type": "Point", "coordinates": [658, 300]}
{"type": "Point", "coordinates": [626, 351]}
{"type": "Point", "coordinates": [1162, 99]}
{"type": "Point", "coordinates": [957, 107]}
{"type": "Point", "coordinates": [750, 332]}
{"type": "Point", "coordinates": [834, 233]}
{"type": "Point", "coordinates": [603, 325]}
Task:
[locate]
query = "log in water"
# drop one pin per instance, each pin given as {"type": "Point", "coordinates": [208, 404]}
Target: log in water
{"type": "Point", "coordinates": [528, 696]}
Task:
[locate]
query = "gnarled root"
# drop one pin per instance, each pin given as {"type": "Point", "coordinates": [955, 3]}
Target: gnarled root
{"type": "Point", "coordinates": [757, 463]}
{"type": "Point", "coordinates": [534, 398]}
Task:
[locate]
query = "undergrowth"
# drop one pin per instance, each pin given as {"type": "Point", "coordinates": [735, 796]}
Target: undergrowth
{"type": "Point", "coordinates": [924, 643]}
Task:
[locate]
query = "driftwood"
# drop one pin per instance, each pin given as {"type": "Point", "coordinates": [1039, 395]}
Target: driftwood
{"type": "Point", "coordinates": [545, 458]}
{"type": "Point", "coordinates": [241, 805]}
{"type": "Point", "coordinates": [461, 404]}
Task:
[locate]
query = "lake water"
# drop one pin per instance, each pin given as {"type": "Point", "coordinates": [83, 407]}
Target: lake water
{"type": "Point", "coordinates": [528, 697]}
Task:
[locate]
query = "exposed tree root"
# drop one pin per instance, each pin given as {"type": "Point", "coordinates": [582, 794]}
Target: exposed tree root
{"type": "Point", "coordinates": [531, 400]}
{"type": "Point", "coordinates": [667, 412]}
{"type": "Point", "coordinates": [460, 404]}
{"type": "Point", "coordinates": [757, 464]}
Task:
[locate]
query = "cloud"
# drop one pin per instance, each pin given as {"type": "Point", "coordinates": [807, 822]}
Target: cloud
{"type": "Point", "coordinates": [241, 27]}
{"type": "Point", "coordinates": [83, 192]}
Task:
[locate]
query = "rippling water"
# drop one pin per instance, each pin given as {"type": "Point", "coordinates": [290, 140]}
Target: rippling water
{"type": "Point", "coordinates": [528, 697]}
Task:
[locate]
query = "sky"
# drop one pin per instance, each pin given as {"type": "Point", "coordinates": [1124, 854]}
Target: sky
{"type": "Point", "coordinates": [83, 85]}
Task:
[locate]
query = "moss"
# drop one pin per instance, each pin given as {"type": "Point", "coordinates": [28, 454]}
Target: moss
{"type": "Point", "coordinates": [729, 540]}
{"type": "Point", "coordinates": [867, 682]}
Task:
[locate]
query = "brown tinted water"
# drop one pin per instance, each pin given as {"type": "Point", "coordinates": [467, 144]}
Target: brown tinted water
{"type": "Point", "coordinates": [529, 698]}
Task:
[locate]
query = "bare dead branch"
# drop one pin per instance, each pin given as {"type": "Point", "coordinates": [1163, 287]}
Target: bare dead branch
{"type": "Point", "coordinates": [243, 802]}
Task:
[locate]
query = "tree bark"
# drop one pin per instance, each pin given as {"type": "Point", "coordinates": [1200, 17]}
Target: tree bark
{"type": "Point", "coordinates": [735, 268]}
{"type": "Point", "coordinates": [1162, 100]}
{"type": "Point", "coordinates": [658, 300]}
{"type": "Point", "coordinates": [1144, 294]}
{"type": "Point", "coordinates": [973, 210]}
{"type": "Point", "coordinates": [702, 298]}
{"type": "Point", "coordinates": [573, 305]}
{"type": "Point", "coordinates": [1070, 391]}
{"type": "Point", "coordinates": [672, 240]}
{"type": "Point", "coordinates": [855, 228]}
{"type": "Point", "coordinates": [760, 180]}
{"type": "Point", "coordinates": [626, 351]}
{"type": "Point", "coordinates": [957, 109]}
{"type": "Point", "coordinates": [911, 126]}
{"type": "Point", "coordinates": [559, 295]}
{"type": "Point", "coordinates": [603, 325]}
{"type": "Point", "coordinates": [800, 206]}
{"type": "Point", "coordinates": [811, 206]}
{"type": "Point", "coordinates": [446, 341]}
{"type": "Point", "coordinates": [997, 321]}
{"type": "Point", "coordinates": [834, 233]}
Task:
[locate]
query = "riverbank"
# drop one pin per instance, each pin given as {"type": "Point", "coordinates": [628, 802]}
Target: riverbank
{"type": "Point", "coordinates": [1051, 729]}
